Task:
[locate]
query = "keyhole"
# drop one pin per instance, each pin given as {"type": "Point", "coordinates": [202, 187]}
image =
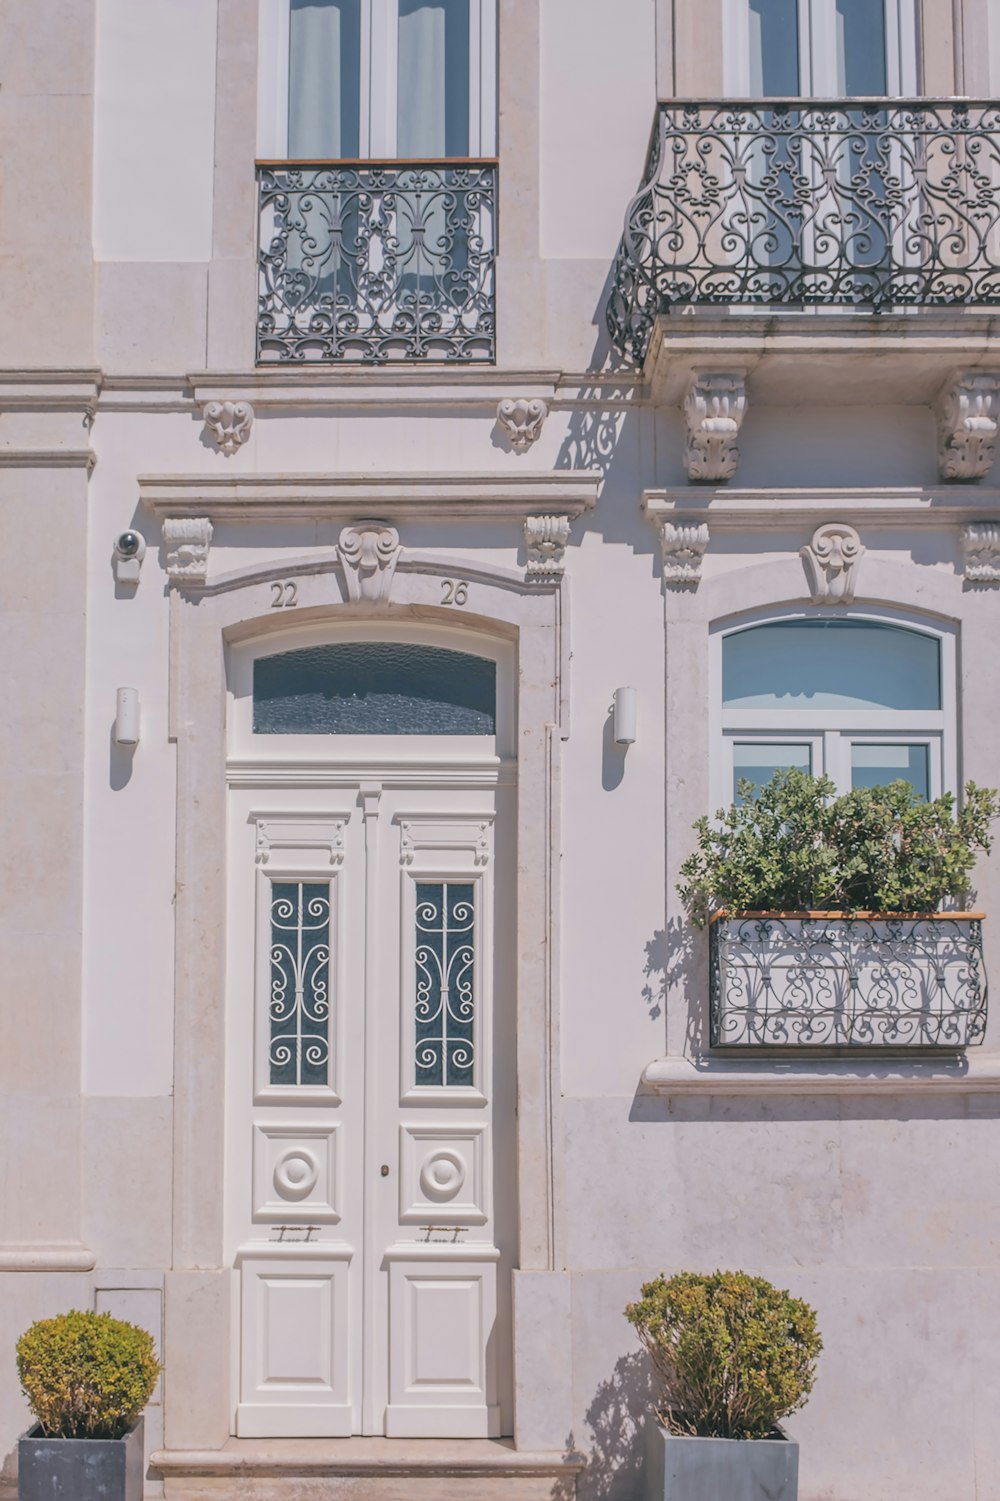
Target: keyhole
{"type": "Point", "coordinates": [385, 1170]}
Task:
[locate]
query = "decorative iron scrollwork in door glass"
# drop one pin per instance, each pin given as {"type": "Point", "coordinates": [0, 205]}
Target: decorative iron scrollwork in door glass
{"type": "Point", "coordinates": [445, 1003]}
{"type": "Point", "coordinates": [299, 1005]}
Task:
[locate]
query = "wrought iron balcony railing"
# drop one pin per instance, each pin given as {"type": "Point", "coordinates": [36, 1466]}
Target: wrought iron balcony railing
{"type": "Point", "coordinates": [878, 204]}
{"type": "Point", "coordinates": [373, 262]}
{"type": "Point", "coordinates": [821, 980]}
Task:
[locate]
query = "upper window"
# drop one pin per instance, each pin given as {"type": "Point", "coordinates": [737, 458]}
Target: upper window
{"type": "Point", "coordinates": [374, 688]}
{"type": "Point", "coordinates": [862, 701]}
{"type": "Point", "coordinates": [380, 79]}
{"type": "Point", "coordinates": [837, 49]}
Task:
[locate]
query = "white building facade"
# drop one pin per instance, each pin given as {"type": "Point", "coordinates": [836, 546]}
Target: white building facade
{"type": "Point", "coordinates": [354, 459]}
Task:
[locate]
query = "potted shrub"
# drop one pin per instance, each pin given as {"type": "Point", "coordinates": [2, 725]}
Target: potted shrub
{"type": "Point", "coordinates": [87, 1378]}
{"type": "Point", "coordinates": [732, 1355]}
{"type": "Point", "coordinates": [828, 915]}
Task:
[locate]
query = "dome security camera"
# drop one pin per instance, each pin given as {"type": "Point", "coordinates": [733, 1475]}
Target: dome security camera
{"type": "Point", "coordinates": [129, 551]}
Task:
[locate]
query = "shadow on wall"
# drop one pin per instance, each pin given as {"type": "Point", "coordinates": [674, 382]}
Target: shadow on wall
{"type": "Point", "coordinates": [615, 1419]}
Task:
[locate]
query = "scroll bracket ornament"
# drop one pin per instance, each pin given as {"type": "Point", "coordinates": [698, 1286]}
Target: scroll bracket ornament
{"type": "Point", "coordinates": [545, 538]}
{"type": "Point", "coordinates": [831, 563]}
{"type": "Point", "coordinates": [521, 420]}
{"type": "Point", "coordinates": [369, 551]}
{"type": "Point", "coordinates": [229, 422]}
{"type": "Point", "coordinates": [683, 547]}
{"type": "Point", "coordinates": [981, 546]}
{"type": "Point", "coordinates": [714, 408]}
{"type": "Point", "coordinates": [967, 412]}
{"type": "Point", "coordinates": [187, 541]}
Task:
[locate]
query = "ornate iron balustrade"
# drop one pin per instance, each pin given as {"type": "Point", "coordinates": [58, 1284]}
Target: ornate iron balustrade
{"type": "Point", "coordinates": [820, 981]}
{"type": "Point", "coordinates": [885, 203]}
{"type": "Point", "coordinates": [376, 261]}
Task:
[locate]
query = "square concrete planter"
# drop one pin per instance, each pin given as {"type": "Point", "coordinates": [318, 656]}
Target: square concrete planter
{"type": "Point", "coordinates": [678, 1468]}
{"type": "Point", "coordinates": [80, 1469]}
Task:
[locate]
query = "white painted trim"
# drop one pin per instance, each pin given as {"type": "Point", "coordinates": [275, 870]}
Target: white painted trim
{"type": "Point", "coordinates": [428, 496]}
{"type": "Point", "coordinates": [811, 1077]}
{"type": "Point", "coordinates": [70, 1257]}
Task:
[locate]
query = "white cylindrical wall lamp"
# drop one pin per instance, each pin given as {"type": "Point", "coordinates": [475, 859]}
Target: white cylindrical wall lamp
{"type": "Point", "coordinates": [626, 706]}
{"type": "Point", "coordinates": [127, 717]}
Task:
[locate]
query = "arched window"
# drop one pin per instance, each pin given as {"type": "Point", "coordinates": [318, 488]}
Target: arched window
{"type": "Point", "coordinates": [374, 688]}
{"type": "Point", "coordinates": [863, 701]}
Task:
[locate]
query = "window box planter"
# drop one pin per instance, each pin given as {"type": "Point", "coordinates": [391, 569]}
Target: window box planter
{"type": "Point", "coordinates": [828, 979]}
{"type": "Point", "coordinates": [682, 1468]}
{"type": "Point", "coordinates": [80, 1469]}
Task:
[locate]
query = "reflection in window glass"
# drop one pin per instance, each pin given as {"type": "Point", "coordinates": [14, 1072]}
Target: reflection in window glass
{"type": "Point", "coordinates": [324, 79]}
{"type": "Point", "coordinates": [374, 688]}
{"type": "Point", "coordinates": [774, 48]}
{"type": "Point", "coordinates": [878, 765]}
{"type": "Point", "coordinates": [831, 664]}
{"type": "Point", "coordinates": [432, 102]}
{"type": "Point", "coordinates": [757, 762]}
{"type": "Point", "coordinates": [861, 69]}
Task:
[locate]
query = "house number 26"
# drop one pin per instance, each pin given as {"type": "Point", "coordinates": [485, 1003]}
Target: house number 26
{"type": "Point", "coordinates": [454, 591]}
{"type": "Point", "coordinates": [284, 596]}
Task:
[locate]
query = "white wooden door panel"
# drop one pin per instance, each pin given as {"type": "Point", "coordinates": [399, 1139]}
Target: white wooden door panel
{"type": "Point", "coordinates": [296, 1345]}
{"type": "Point", "coordinates": [372, 1109]}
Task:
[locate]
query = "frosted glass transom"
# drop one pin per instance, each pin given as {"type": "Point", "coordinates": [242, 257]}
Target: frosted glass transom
{"type": "Point", "coordinates": [831, 664]}
{"type": "Point", "coordinates": [374, 688]}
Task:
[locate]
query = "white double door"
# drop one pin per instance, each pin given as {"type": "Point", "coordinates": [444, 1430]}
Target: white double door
{"type": "Point", "coordinates": [371, 1091]}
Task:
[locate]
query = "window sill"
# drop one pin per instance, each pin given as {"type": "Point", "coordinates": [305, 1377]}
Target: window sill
{"type": "Point", "coordinates": [723, 1076]}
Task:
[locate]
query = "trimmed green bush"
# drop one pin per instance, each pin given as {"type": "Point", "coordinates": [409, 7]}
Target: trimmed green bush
{"type": "Point", "coordinates": [86, 1375]}
{"type": "Point", "coordinates": [732, 1355]}
{"type": "Point", "coordinates": [794, 846]}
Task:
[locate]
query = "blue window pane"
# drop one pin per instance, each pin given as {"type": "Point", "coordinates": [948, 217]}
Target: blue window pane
{"type": "Point", "coordinates": [758, 762]}
{"type": "Point", "coordinates": [445, 1002]}
{"type": "Point", "coordinates": [299, 1002]}
{"type": "Point", "coordinates": [831, 664]}
{"type": "Point", "coordinates": [774, 48]}
{"type": "Point", "coordinates": [861, 70]}
{"type": "Point", "coordinates": [324, 78]}
{"type": "Point", "coordinates": [878, 765]}
{"type": "Point", "coordinates": [374, 688]}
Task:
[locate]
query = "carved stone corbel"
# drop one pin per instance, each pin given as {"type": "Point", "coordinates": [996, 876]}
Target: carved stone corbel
{"type": "Point", "coordinates": [187, 541]}
{"type": "Point", "coordinates": [682, 547]}
{"type": "Point", "coordinates": [831, 562]}
{"type": "Point", "coordinates": [981, 546]}
{"type": "Point", "coordinates": [967, 411]}
{"type": "Point", "coordinates": [229, 422]}
{"type": "Point", "coordinates": [369, 551]}
{"type": "Point", "coordinates": [521, 421]}
{"type": "Point", "coordinates": [545, 538]}
{"type": "Point", "coordinates": [714, 408]}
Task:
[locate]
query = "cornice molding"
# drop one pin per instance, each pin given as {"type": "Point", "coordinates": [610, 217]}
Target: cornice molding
{"type": "Point", "coordinates": [817, 1076]}
{"type": "Point", "coordinates": [726, 508]}
{"type": "Point", "coordinates": [346, 497]}
{"type": "Point", "coordinates": [48, 458]}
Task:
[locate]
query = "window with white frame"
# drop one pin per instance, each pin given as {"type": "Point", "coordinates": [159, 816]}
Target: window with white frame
{"type": "Point", "coordinates": [377, 79]}
{"type": "Point", "coordinates": [863, 700]}
{"type": "Point", "coordinates": [833, 49]}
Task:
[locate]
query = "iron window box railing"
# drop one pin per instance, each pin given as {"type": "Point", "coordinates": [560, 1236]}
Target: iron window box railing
{"type": "Point", "coordinates": [822, 979]}
{"type": "Point", "coordinates": [372, 262]}
{"type": "Point", "coordinates": [878, 204]}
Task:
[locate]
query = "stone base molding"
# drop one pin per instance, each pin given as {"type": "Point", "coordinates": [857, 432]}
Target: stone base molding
{"type": "Point", "coordinates": [807, 1077]}
{"type": "Point", "coordinates": [59, 1257]}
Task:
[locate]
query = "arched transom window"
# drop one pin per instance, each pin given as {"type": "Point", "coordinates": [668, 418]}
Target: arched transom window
{"type": "Point", "coordinates": [862, 701]}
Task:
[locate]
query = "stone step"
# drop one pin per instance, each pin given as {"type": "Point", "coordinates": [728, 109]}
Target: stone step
{"type": "Point", "coordinates": [366, 1469]}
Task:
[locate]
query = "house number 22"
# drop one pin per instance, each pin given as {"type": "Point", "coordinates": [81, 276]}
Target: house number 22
{"type": "Point", "coordinates": [454, 591]}
{"type": "Point", "coordinates": [284, 596]}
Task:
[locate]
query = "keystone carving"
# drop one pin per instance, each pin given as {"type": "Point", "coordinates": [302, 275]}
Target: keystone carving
{"type": "Point", "coordinates": [187, 541]}
{"type": "Point", "coordinates": [683, 547]}
{"type": "Point", "coordinates": [229, 422]}
{"type": "Point", "coordinates": [521, 421]}
{"type": "Point", "coordinates": [545, 538]}
{"type": "Point", "coordinates": [714, 408]}
{"type": "Point", "coordinates": [967, 411]}
{"type": "Point", "coordinates": [831, 563]}
{"type": "Point", "coordinates": [369, 551]}
{"type": "Point", "coordinates": [981, 545]}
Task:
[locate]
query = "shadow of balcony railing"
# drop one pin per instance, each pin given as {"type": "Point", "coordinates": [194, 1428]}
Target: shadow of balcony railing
{"type": "Point", "coordinates": [372, 262]}
{"type": "Point", "coordinates": [873, 204]}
